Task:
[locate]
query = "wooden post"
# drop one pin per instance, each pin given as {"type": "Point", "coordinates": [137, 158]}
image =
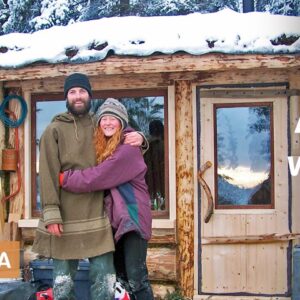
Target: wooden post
{"type": "Point", "coordinates": [185, 186]}
{"type": "Point", "coordinates": [2, 133]}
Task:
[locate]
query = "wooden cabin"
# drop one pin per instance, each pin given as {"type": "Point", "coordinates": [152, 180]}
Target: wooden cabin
{"type": "Point", "coordinates": [231, 219]}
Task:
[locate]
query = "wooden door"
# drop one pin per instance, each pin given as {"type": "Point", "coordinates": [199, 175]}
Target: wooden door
{"type": "Point", "coordinates": [244, 247]}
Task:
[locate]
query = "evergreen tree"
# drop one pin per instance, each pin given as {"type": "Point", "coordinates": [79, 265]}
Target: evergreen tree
{"type": "Point", "coordinates": [31, 15]}
{"type": "Point", "coordinates": [55, 12]}
{"type": "Point", "coordinates": [21, 13]}
{"type": "Point", "coordinates": [4, 14]}
{"type": "Point", "coordinates": [280, 7]}
{"type": "Point", "coordinates": [96, 9]}
{"type": "Point", "coordinates": [183, 7]}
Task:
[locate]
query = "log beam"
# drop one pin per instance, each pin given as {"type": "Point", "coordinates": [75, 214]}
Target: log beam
{"type": "Point", "coordinates": [115, 65]}
{"type": "Point", "coordinates": [185, 185]}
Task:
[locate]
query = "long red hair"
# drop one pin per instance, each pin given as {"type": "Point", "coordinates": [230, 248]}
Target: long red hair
{"type": "Point", "coordinates": [105, 146]}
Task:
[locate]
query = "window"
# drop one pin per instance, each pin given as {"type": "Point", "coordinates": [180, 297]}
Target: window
{"type": "Point", "coordinates": [243, 155]}
{"type": "Point", "coordinates": [148, 112]}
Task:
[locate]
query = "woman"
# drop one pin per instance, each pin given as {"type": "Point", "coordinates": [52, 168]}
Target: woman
{"type": "Point", "coordinates": [121, 170]}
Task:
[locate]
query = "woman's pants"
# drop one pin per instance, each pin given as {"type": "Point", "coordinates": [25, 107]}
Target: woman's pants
{"type": "Point", "coordinates": [130, 264]}
{"type": "Point", "coordinates": [102, 277]}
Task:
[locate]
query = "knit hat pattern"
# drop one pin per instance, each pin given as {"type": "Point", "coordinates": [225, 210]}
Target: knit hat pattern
{"type": "Point", "coordinates": [113, 107]}
{"type": "Point", "coordinates": [77, 80]}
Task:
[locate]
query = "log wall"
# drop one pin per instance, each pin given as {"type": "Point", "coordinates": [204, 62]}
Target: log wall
{"type": "Point", "coordinates": [171, 251]}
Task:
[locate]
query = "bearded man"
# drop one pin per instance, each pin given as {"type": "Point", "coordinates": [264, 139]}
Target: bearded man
{"type": "Point", "coordinates": [74, 226]}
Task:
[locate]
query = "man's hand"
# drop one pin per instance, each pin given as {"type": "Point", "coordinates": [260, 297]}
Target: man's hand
{"type": "Point", "coordinates": [55, 229]}
{"type": "Point", "coordinates": [133, 139]}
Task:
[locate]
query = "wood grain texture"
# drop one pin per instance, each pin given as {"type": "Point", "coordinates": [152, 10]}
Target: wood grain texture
{"type": "Point", "coordinates": [185, 185]}
{"type": "Point", "coordinates": [115, 65]}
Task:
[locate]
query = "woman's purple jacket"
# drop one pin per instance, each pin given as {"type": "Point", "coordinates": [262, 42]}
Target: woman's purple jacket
{"type": "Point", "coordinates": [123, 173]}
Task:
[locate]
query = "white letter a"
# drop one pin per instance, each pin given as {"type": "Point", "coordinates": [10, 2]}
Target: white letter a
{"type": "Point", "coordinates": [4, 261]}
{"type": "Point", "coordinates": [294, 170]}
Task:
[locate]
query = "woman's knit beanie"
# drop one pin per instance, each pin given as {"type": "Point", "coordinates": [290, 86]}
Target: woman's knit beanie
{"type": "Point", "coordinates": [77, 80]}
{"type": "Point", "coordinates": [113, 107]}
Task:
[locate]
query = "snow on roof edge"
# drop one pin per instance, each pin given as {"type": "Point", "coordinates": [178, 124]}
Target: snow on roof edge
{"type": "Point", "coordinates": [226, 32]}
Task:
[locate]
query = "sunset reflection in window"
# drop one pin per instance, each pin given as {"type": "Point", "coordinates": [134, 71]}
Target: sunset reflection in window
{"type": "Point", "coordinates": [243, 139]}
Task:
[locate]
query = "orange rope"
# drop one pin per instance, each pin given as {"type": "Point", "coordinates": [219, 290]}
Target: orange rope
{"type": "Point", "coordinates": [5, 198]}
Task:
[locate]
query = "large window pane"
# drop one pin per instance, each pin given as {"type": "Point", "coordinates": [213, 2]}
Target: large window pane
{"type": "Point", "coordinates": [45, 111]}
{"type": "Point", "coordinates": [147, 113]}
{"type": "Point", "coordinates": [244, 155]}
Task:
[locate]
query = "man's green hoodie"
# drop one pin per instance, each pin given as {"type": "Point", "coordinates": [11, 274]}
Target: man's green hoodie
{"type": "Point", "coordinates": [67, 143]}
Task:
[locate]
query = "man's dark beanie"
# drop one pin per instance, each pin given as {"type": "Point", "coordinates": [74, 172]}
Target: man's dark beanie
{"type": "Point", "coordinates": [77, 80]}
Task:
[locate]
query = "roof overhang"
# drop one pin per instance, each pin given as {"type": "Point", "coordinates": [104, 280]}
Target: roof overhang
{"type": "Point", "coordinates": [122, 65]}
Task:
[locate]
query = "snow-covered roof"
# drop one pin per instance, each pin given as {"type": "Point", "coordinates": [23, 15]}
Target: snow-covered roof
{"type": "Point", "coordinates": [225, 31]}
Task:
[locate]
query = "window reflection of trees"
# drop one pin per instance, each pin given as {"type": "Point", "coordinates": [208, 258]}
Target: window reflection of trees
{"type": "Point", "coordinates": [231, 162]}
{"type": "Point", "coordinates": [141, 111]}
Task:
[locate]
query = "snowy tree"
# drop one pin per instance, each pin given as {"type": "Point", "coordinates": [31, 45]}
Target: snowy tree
{"type": "Point", "coordinates": [183, 7]}
{"type": "Point", "coordinates": [280, 7]}
{"type": "Point", "coordinates": [99, 8]}
{"type": "Point", "coordinates": [4, 14]}
{"type": "Point", "coordinates": [286, 7]}
{"type": "Point", "coordinates": [31, 15]}
{"type": "Point", "coordinates": [55, 12]}
{"type": "Point", "coordinates": [21, 12]}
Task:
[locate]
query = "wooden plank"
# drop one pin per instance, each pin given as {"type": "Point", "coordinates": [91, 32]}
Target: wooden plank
{"type": "Point", "coordinates": [16, 202]}
{"type": "Point", "coordinates": [250, 239]}
{"type": "Point", "coordinates": [163, 236]}
{"type": "Point", "coordinates": [2, 137]}
{"type": "Point", "coordinates": [253, 268]}
{"type": "Point", "coordinates": [161, 290]}
{"type": "Point", "coordinates": [127, 81]}
{"type": "Point", "coordinates": [28, 234]}
{"type": "Point", "coordinates": [161, 264]}
{"type": "Point", "coordinates": [295, 151]}
{"type": "Point", "coordinates": [100, 82]}
{"type": "Point", "coordinates": [235, 76]}
{"type": "Point", "coordinates": [241, 258]}
{"type": "Point", "coordinates": [114, 65]}
{"type": "Point", "coordinates": [185, 185]}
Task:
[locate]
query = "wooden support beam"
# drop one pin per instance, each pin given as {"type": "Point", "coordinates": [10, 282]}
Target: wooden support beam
{"type": "Point", "coordinates": [185, 185]}
{"type": "Point", "coordinates": [114, 65]}
{"type": "Point", "coordinates": [2, 137]}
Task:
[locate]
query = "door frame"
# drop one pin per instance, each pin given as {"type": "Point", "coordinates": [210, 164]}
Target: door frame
{"type": "Point", "coordinates": [197, 207]}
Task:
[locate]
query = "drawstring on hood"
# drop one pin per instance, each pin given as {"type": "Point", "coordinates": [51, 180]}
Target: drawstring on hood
{"type": "Point", "coordinates": [76, 128]}
{"type": "Point", "coordinates": [68, 118]}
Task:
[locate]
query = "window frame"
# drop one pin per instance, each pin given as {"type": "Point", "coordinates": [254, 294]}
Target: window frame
{"type": "Point", "coordinates": [165, 214]}
{"type": "Point", "coordinates": [272, 181]}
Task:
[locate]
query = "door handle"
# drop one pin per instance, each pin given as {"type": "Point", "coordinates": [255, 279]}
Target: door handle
{"type": "Point", "coordinates": [210, 202]}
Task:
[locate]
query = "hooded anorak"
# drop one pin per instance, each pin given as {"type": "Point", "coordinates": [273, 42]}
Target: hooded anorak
{"type": "Point", "coordinates": [128, 204]}
{"type": "Point", "coordinates": [67, 143]}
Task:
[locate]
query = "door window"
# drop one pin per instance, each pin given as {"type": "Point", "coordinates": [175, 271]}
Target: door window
{"type": "Point", "coordinates": [244, 156]}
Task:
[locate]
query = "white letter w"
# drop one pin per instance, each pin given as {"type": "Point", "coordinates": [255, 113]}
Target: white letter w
{"type": "Point", "coordinates": [294, 169]}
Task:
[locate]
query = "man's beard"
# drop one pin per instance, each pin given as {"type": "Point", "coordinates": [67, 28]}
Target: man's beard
{"type": "Point", "coordinates": [78, 112]}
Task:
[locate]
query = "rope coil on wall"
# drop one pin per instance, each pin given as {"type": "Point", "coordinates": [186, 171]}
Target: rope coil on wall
{"type": "Point", "coordinates": [6, 119]}
{"type": "Point", "coordinates": [10, 120]}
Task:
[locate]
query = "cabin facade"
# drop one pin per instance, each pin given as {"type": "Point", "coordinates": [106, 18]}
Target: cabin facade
{"type": "Point", "coordinates": [206, 240]}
